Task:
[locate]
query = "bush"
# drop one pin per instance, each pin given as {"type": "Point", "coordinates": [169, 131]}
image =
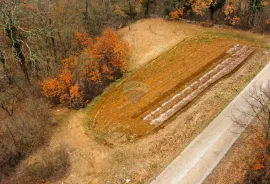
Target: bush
{"type": "Point", "coordinates": [22, 132]}
{"type": "Point", "coordinates": [53, 165]}
{"type": "Point", "coordinates": [259, 172]}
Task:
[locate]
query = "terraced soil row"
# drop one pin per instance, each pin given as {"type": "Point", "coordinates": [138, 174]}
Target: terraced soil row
{"type": "Point", "coordinates": [238, 54]}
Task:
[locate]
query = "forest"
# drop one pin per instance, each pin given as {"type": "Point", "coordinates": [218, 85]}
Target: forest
{"type": "Point", "coordinates": [69, 51]}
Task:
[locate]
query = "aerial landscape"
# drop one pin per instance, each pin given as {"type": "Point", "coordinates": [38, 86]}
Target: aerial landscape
{"type": "Point", "coordinates": [134, 91]}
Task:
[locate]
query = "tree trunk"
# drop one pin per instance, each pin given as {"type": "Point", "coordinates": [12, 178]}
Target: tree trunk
{"type": "Point", "coordinates": [65, 51]}
{"type": "Point", "coordinates": [17, 46]}
{"type": "Point", "coordinates": [19, 53]}
{"type": "Point", "coordinates": [6, 72]}
{"type": "Point", "coordinates": [147, 8]}
{"type": "Point", "coordinates": [253, 14]}
{"type": "Point", "coordinates": [53, 41]}
{"type": "Point", "coordinates": [106, 8]}
{"type": "Point", "coordinates": [267, 138]}
{"type": "Point", "coordinates": [86, 16]}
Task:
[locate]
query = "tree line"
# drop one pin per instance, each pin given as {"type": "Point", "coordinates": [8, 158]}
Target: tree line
{"type": "Point", "coordinates": [37, 35]}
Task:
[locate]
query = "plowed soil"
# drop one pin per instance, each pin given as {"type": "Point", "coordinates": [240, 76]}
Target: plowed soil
{"type": "Point", "coordinates": [122, 108]}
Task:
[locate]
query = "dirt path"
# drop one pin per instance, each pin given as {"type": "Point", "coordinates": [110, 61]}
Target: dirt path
{"type": "Point", "coordinates": [84, 152]}
{"type": "Point", "coordinates": [72, 134]}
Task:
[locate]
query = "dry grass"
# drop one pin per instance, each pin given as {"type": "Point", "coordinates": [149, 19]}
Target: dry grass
{"type": "Point", "coordinates": [149, 38]}
{"type": "Point", "coordinates": [235, 164]}
{"type": "Point", "coordinates": [24, 132]}
{"type": "Point", "coordinates": [52, 165]}
{"type": "Point", "coordinates": [123, 107]}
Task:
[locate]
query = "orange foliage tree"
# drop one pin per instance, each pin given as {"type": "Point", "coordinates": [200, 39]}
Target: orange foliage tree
{"type": "Point", "coordinates": [190, 6]}
{"type": "Point", "coordinates": [64, 88]}
{"type": "Point", "coordinates": [176, 14]}
{"type": "Point", "coordinates": [82, 40]}
{"type": "Point", "coordinates": [111, 54]}
{"type": "Point", "coordinates": [229, 12]}
{"type": "Point", "coordinates": [230, 8]}
{"type": "Point", "coordinates": [85, 75]}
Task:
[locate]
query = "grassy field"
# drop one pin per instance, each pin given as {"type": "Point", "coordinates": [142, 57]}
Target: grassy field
{"type": "Point", "coordinates": [121, 108]}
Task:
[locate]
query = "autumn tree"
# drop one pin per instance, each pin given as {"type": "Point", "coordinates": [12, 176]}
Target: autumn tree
{"type": "Point", "coordinates": [85, 75]}
{"type": "Point", "coordinates": [188, 7]}
{"type": "Point", "coordinates": [234, 11]}
{"type": "Point", "coordinates": [231, 14]}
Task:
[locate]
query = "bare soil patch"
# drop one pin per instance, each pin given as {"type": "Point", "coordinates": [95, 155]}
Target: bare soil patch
{"type": "Point", "coordinates": [149, 38]}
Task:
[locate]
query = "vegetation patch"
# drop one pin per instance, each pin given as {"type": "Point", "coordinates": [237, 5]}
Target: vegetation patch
{"type": "Point", "coordinates": [52, 165]}
{"type": "Point", "coordinates": [22, 132]}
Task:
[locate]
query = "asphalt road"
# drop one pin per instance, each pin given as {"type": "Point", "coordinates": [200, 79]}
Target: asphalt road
{"type": "Point", "coordinates": [198, 160]}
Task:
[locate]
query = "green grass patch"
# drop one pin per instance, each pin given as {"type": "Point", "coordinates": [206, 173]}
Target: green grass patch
{"type": "Point", "coordinates": [238, 36]}
{"type": "Point", "coordinates": [97, 100]}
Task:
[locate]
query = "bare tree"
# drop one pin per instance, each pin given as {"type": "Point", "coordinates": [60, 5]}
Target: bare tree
{"type": "Point", "coordinates": [5, 68]}
{"type": "Point", "coordinates": [258, 109]}
{"type": "Point", "coordinates": [10, 26]}
{"type": "Point", "coordinates": [258, 100]}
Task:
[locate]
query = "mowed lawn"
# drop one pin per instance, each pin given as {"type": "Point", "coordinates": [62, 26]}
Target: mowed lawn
{"type": "Point", "coordinates": [122, 108]}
